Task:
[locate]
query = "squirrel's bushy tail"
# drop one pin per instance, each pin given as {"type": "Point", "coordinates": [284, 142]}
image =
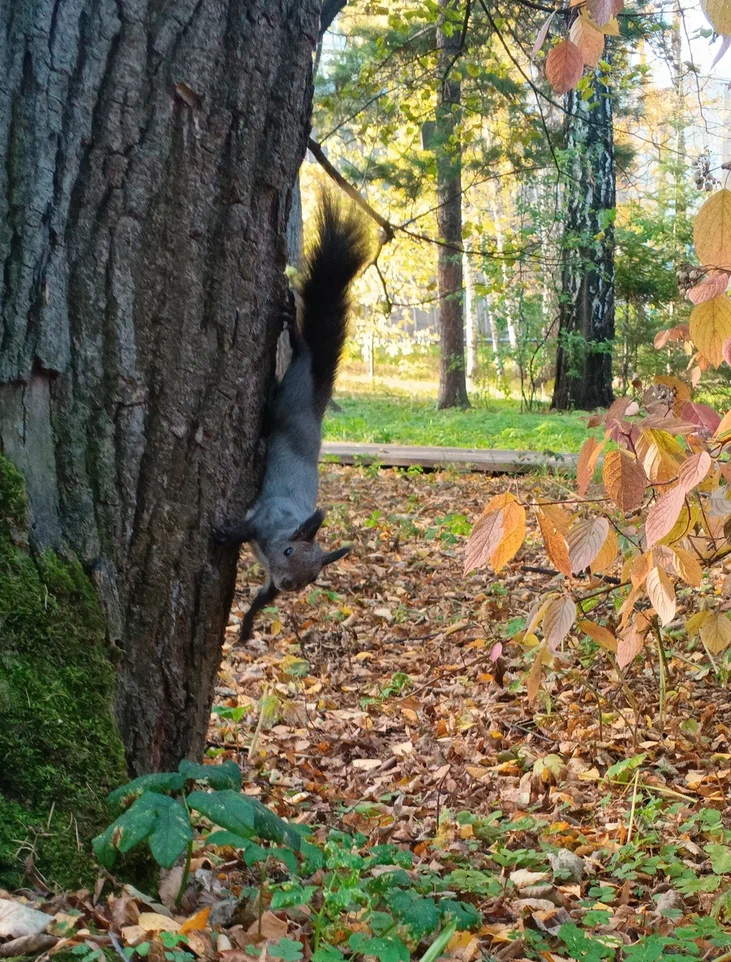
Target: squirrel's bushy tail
{"type": "Point", "coordinates": [342, 246]}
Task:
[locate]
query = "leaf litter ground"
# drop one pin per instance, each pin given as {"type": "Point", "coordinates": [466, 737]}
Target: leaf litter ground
{"type": "Point", "coordinates": [388, 703]}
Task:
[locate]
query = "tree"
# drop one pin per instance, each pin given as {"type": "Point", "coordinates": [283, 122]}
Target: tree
{"type": "Point", "coordinates": [586, 313]}
{"type": "Point", "coordinates": [147, 159]}
{"type": "Point", "coordinates": [452, 384]}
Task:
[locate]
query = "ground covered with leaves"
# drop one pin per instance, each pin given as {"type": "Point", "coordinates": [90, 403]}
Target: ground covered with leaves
{"type": "Point", "coordinates": [384, 714]}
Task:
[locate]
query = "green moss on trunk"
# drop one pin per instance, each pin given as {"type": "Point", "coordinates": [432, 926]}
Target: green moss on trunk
{"type": "Point", "coordinates": [60, 752]}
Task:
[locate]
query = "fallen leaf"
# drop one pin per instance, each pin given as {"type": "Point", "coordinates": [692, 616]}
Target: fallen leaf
{"type": "Point", "coordinates": [18, 920]}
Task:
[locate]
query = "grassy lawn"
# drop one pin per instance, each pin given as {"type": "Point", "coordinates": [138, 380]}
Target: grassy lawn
{"type": "Point", "coordinates": [381, 419]}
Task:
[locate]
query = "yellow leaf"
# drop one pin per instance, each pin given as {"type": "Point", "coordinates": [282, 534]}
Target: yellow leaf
{"type": "Point", "coordinates": [710, 325]}
{"type": "Point", "coordinates": [661, 455]}
{"type": "Point", "coordinates": [197, 922]}
{"type": "Point", "coordinates": [513, 535]}
{"type": "Point", "coordinates": [688, 567]}
{"type": "Point", "coordinates": [533, 681]}
{"type": "Point", "coordinates": [487, 532]}
{"type": "Point", "coordinates": [716, 633]}
{"type": "Point", "coordinates": [537, 612]}
{"type": "Point", "coordinates": [695, 622]}
{"type": "Point", "coordinates": [588, 456]}
{"type": "Point", "coordinates": [589, 39]}
{"type": "Point", "coordinates": [712, 230]}
{"type": "Point", "coordinates": [602, 636]}
{"type": "Point", "coordinates": [554, 540]}
{"type": "Point", "coordinates": [607, 555]}
{"type": "Point", "coordinates": [641, 567]}
{"type": "Point", "coordinates": [724, 428]}
{"type": "Point", "coordinates": [719, 15]}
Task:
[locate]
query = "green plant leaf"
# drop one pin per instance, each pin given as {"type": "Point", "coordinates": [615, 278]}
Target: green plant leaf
{"type": "Point", "coordinates": [151, 816]}
{"type": "Point", "coordinates": [419, 915]}
{"type": "Point", "coordinates": [620, 771]}
{"type": "Point", "coordinates": [463, 914]}
{"type": "Point", "coordinates": [289, 894]}
{"type": "Point", "coordinates": [171, 833]}
{"type": "Point", "coordinates": [244, 816]}
{"type": "Point", "coordinates": [720, 858]}
{"type": "Point", "coordinates": [387, 948]}
{"type": "Point", "coordinates": [326, 953]}
{"type": "Point", "coordinates": [156, 782]}
{"type": "Point", "coordinates": [286, 949]}
{"type": "Point", "coordinates": [226, 775]}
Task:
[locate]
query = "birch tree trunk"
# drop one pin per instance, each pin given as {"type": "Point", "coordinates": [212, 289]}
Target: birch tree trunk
{"type": "Point", "coordinates": [147, 157]}
{"type": "Point", "coordinates": [586, 316]}
{"type": "Point", "coordinates": [470, 309]}
{"type": "Point", "coordinates": [452, 384]}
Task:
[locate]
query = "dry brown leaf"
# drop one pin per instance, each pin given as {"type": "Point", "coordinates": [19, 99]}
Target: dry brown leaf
{"type": "Point", "coordinates": [154, 922]}
{"type": "Point", "coordinates": [18, 920]}
{"type": "Point", "coordinates": [625, 480]}
{"type": "Point", "coordinates": [533, 681]}
{"type": "Point", "coordinates": [564, 66]}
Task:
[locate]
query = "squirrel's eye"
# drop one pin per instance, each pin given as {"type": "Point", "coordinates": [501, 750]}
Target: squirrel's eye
{"type": "Point", "coordinates": [287, 552]}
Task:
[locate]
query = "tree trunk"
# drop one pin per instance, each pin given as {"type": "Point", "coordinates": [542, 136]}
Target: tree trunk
{"type": "Point", "coordinates": [452, 384]}
{"type": "Point", "coordinates": [586, 316]}
{"type": "Point", "coordinates": [147, 158]}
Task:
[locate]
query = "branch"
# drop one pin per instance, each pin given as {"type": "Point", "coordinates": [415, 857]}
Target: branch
{"type": "Point", "coordinates": [319, 154]}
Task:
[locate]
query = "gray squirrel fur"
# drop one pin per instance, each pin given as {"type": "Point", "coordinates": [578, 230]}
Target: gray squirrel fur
{"type": "Point", "coordinates": [282, 523]}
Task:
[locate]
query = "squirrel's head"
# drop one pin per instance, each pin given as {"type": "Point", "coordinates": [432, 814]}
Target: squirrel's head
{"type": "Point", "coordinates": [296, 561]}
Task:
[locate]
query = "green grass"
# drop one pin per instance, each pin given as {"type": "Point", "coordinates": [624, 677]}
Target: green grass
{"type": "Point", "coordinates": [379, 419]}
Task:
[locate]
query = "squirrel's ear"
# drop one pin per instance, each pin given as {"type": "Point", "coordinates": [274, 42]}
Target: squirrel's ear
{"type": "Point", "coordinates": [335, 555]}
{"type": "Point", "coordinates": [309, 528]}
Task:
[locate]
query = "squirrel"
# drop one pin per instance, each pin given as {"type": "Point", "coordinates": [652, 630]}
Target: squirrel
{"type": "Point", "coordinates": [283, 521]}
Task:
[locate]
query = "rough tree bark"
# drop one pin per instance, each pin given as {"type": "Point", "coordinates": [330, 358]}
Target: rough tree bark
{"type": "Point", "coordinates": [452, 384]}
{"type": "Point", "coordinates": [147, 158]}
{"type": "Point", "coordinates": [586, 314]}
